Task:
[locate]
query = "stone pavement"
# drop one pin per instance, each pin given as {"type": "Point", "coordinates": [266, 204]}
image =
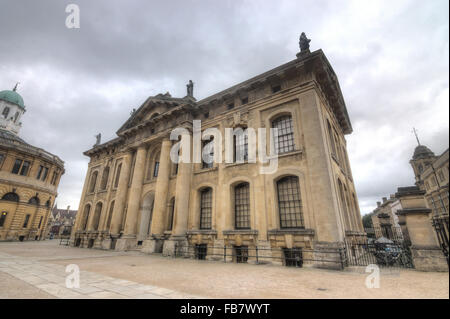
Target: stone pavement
{"type": "Point", "coordinates": [51, 278]}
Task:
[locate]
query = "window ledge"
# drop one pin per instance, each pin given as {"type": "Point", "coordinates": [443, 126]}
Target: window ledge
{"type": "Point", "coordinates": [295, 231]}
{"type": "Point", "coordinates": [202, 231]}
{"type": "Point", "coordinates": [240, 231]}
{"type": "Point", "coordinates": [291, 153]}
{"type": "Point", "coordinates": [206, 170]}
{"type": "Point", "coordinates": [236, 164]}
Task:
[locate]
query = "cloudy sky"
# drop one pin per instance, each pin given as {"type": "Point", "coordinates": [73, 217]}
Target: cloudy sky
{"type": "Point", "coordinates": [391, 58]}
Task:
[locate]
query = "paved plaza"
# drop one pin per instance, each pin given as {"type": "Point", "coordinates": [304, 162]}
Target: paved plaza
{"type": "Point", "coordinates": [38, 270]}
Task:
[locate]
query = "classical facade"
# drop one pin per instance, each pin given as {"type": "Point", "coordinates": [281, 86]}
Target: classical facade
{"type": "Point", "coordinates": [29, 176]}
{"type": "Point", "coordinates": [135, 197]}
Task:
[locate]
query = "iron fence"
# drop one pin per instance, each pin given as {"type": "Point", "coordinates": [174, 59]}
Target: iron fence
{"type": "Point", "coordinates": [440, 225]}
{"type": "Point", "coordinates": [290, 257]}
{"type": "Point", "coordinates": [390, 249]}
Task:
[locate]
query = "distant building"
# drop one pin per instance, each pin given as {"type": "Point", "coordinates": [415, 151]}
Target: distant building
{"type": "Point", "coordinates": [29, 176]}
{"type": "Point", "coordinates": [385, 220]}
{"type": "Point", "coordinates": [432, 175]}
{"type": "Point", "coordinates": [61, 222]}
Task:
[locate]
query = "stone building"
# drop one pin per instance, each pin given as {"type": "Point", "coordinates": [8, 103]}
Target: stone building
{"type": "Point", "coordinates": [135, 197]}
{"type": "Point", "coordinates": [29, 176]}
{"type": "Point", "coordinates": [61, 222]}
{"type": "Point", "coordinates": [431, 173]}
{"type": "Point", "coordinates": [385, 220]}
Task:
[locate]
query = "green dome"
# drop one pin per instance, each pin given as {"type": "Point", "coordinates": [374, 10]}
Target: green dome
{"type": "Point", "coordinates": [12, 97]}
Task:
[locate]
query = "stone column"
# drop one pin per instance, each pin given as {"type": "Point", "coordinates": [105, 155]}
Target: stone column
{"type": "Point", "coordinates": [182, 194]}
{"type": "Point", "coordinates": [80, 213]}
{"type": "Point", "coordinates": [154, 244]}
{"type": "Point", "coordinates": [128, 240]}
{"type": "Point", "coordinates": [414, 218]}
{"type": "Point", "coordinates": [121, 195]}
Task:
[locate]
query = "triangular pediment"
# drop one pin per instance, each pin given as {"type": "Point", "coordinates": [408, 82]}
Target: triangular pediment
{"type": "Point", "coordinates": [152, 108]}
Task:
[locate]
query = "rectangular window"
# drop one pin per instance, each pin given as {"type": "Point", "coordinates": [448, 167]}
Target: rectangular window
{"type": "Point", "coordinates": [54, 177]}
{"type": "Point", "coordinates": [285, 141]}
{"type": "Point", "coordinates": [156, 169]}
{"type": "Point", "coordinates": [289, 203]}
{"type": "Point", "coordinates": [206, 208]}
{"type": "Point", "coordinates": [276, 88]}
{"type": "Point", "coordinates": [244, 100]}
{"type": "Point", "coordinates": [44, 177]}
{"type": "Point", "coordinates": [27, 219]}
{"type": "Point", "coordinates": [230, 106]}
{"type": "Point", "coordinates": [25, 168]}
{"type": "Point", "coordinates": [242, 206]}
{"type": "Point", "coordinates": [3, 218]}
{"type": "Point", "coordinates": [2, 157]}
{"type": "Point", "coordinates": [39, 174]}
{"type": "Point", "coordinates": [16, 167]}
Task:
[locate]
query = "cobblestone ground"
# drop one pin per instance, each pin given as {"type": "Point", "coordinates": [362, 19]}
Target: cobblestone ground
{"type": "Point", "coordinates": [37, 270]}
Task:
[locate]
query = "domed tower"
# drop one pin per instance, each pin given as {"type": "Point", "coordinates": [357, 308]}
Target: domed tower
{"type": "Point", "coordinates": [11, 110]}
{"type": "Point", "coordinates": [422, 158]}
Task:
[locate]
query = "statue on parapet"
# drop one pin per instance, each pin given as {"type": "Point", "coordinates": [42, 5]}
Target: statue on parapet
{"type": "Point", "coordinates": [98, 139]}
{"type": "Point", "coordinates": [304, 42]}
{"type": "Point", "coordinates": [190, 88]}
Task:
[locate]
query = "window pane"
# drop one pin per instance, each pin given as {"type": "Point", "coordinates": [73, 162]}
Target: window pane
{"type": "Point", "coordinates": [16, 166]}
{"type": "Point", "coordinates": [25, 167]}
{"type": "Point", "coordinates": [242, 205]}
{"type": "Point", "coordinates": [285, 141]}
{"type": "Point", "coordinates": [156, 169]}
{"type": "Point", "coordinates": [289, 203]}
{"type": "Point", "coordinates": [205, 208]}
{"type": "Point", "coordinates": [241, 147]}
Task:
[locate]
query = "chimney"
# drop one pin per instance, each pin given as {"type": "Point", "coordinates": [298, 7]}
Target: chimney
{"type": "Point", "coordinates": [378, 204]}
{"type": "Point", "coordinates": [68, 207]}
{"type": "Point", "coordinates": [384, 200]}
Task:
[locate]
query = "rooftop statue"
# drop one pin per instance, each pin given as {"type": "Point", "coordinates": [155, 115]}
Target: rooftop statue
{"type": "Point", "coordinates": [304, 42]}
{"type": "Point", "coordinates": [98, 139]}
{"type": "Point", "coordinates": [190, 88]}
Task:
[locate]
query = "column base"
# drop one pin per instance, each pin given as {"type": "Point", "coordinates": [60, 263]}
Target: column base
{"type": "Point", "coordinates": [152, 246]}
{"type": "Point", "coordinates": [328, 256]}
{"type": "Point", "coordinates": [429, 259]}
{"type": "Point", "coordinates": [176, 246]}
{"type": "Point", "coordinates": [126, 243]}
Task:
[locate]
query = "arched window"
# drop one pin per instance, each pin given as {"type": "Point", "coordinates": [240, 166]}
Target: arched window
{"type": "Point", "coordinates": [240, 141]}
{"type": "Point", "coordinates": [116, 181]}
{"type": "Point", "coordinates": [343, 205]}
{"type": "Point", "coordinates": [12, 197]}
{"type": "Point", "coordinates": [111, 210]}
{"type": "Point", "coordinates": [285, 141]}
{"type": "Point", "coordinates": [242, 206]}
{"type": "Point", "coordinates": [85, 219]}
{"type": "Point", "coordinates": [5, 112]}
{"type": "Point", "coordinates": [34, 201]}
{"type": "Point", "coordinates": [330, 136]}
{"type": "Point", "coordinates": [171, 213]}
{"type": "Point", "coordinates": [97, 214]}
{"type": "Point", "coordinates": [105, 177]}
{"type": "Point", "coordinates": [93, 182]}
{"type": "Point", "coordinates": [290, 203]}
{"type": "Point", "coordinates": [206, 208]}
